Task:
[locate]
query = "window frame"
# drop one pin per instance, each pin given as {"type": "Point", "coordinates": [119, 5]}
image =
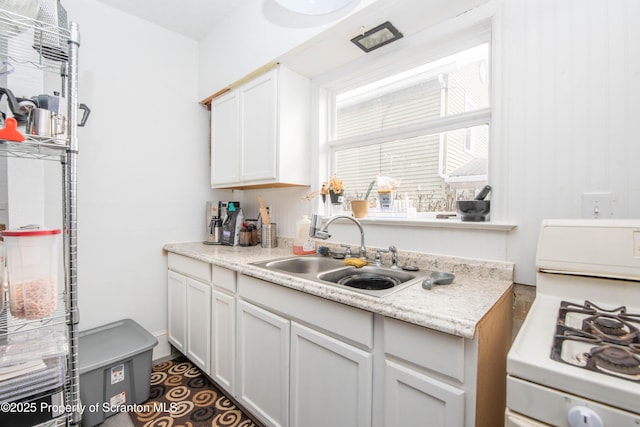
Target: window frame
{"type": "Point", "coordinates": [463, 31]}
{"type": "Point", "coordinates": [464, 39]}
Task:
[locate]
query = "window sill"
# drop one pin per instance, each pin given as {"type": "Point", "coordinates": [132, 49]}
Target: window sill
{"type": "Point", "coordinates": [439, 223]}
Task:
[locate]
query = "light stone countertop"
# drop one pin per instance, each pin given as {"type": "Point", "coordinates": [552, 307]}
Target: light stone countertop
{"type": "Point", "coordinates": [455, 309]}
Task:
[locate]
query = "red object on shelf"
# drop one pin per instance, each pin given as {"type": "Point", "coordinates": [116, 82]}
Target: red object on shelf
{"type": "Point", "coordinates": [10, 131]}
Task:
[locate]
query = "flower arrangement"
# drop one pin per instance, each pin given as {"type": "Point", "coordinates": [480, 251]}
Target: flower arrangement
{"type": "Point", "coordinates": [334, 186]}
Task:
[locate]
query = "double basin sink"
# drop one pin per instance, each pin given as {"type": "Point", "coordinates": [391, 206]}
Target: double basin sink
{"type": "Point", "coordinates": [371, 280]}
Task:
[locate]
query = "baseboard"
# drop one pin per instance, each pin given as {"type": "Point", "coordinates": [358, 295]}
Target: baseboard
{"type": "Point", "coordinates": [163, 349]}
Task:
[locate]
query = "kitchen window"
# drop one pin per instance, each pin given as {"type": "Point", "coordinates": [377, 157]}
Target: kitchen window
{"type": "Point", "coordinates": [425, 126]}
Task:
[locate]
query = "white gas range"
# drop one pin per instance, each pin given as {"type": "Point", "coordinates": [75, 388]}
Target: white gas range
{"type": "Point", "coordinates": [576, 359]}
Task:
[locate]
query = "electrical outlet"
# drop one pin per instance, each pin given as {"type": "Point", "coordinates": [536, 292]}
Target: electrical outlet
{"type": "Point", "coordinates": [597, 205]}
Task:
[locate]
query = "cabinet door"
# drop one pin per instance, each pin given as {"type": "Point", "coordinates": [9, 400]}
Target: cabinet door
{"type": "Point", "coordinates": [223, 342]}
{"type": "Point", "coordinates": [177, 308]}
{"type": "Point", "coordinates": [225, 140]}
{"type": "Point", "coordinates": [199, 324]}
{"type": "Point", "coordinates": [331, 381]}
{"type": "Point", "coordinates": [258, 106]}
{"type": "Point", "coordinates": [414, 399]}
{"type": "Point", "coordinates": [263, 364]}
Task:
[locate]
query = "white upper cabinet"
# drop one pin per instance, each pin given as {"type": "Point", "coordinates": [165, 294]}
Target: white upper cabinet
{"type": "Point", "coordinates": [260, 133]}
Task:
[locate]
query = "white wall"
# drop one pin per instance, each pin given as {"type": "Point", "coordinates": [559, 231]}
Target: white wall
{"type": "Point", "coordinates": [143, 178]}
{"type": "Point", "coordinates": [572, 79]}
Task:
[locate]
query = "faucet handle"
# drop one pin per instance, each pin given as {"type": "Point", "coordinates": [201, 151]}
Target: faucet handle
{"type": "Point", "coordinates": [378, 260]}
{"type": "Point", "coordinates": [347, 253]}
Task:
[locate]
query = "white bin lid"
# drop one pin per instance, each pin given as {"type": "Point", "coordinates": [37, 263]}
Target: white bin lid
{"type": "Point", "coordinates": [105, 345]}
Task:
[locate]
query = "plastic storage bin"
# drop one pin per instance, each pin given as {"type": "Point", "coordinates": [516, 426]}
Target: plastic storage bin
{"type": "Point", "coordinates": [115, 368]}
{"type": "Point", "coordinates": [32, 271]}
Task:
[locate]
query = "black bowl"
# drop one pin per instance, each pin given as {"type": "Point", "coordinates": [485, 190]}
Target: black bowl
{"type": "Point", "coordinates": [473, 210]}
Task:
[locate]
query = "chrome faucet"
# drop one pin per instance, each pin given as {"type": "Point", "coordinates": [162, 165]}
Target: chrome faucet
{"type": "Point", "coordinates": [316, 230]}
{"type": "Point", "coordinates": [394, 256]}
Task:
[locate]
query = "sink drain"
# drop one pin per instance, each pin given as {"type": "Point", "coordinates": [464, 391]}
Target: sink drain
{"type": "Point", "coordinates": [372, 282]}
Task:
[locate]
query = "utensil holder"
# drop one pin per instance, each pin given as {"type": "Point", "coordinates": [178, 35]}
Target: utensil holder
{"type": "Point", "coordinates": [268, 235]}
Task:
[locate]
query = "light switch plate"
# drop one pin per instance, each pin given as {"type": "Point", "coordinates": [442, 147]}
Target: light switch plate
{"type": "Point", "coordinates": [597, 205]}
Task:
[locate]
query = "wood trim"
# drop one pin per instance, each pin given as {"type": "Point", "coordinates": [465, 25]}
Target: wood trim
{"type": "Point", "coordinates": [494, 340]}
{"type": "Point", "coordinates": [259, 186]}
{"type": "Point", "coordinates": [207, 101]}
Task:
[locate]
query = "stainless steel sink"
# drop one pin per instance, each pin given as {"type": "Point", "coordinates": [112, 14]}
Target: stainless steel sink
{"type": "Point", "coordinates": [307, 264]}
{"type": "Point", "coordinates": [370, 280]}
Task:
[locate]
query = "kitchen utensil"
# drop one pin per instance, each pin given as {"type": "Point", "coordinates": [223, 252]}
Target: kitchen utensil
{"type": "Point", "coordinates": [50, 102]}
{"type": "Point", "coordinates": [10, 131]}
{"type": "Point", "coordinates": [264, 213]}
{"type": "Point", "coordinates": [473, 210]}
{"type": "Point", "coordinates": [438, 278]}
{"type": "Point", "coordinates": [20, 107]}
{"type": "Point", "coordinates": [483, 193]}
{"type": "Point", "coordinates": [40, 122]}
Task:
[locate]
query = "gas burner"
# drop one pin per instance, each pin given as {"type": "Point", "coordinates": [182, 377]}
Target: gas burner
{"type": "Point", "coordinates": [616, 360]}
{"type": "Point", "coordinates": [600, 340]}
{"type": "Point", "coordinates": [611, 328]}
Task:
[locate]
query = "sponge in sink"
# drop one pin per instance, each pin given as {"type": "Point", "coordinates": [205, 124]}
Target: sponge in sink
{"type": "Point", "coordinates": [356, 262]}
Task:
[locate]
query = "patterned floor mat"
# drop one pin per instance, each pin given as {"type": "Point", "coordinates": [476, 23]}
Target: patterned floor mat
{"type": "Point", "coordinates": [181, 396]}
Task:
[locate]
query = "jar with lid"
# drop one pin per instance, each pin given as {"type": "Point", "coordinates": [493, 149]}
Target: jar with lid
{"type": "Point", "coordinates": [245, 237]}
{"type": "Point", "coordinates": [32, 271]}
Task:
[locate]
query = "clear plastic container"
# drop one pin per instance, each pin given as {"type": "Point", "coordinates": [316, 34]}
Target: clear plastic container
{"type": "Point", "coordinates": [303, 244]}
{"type": "Point", "coordinates": [32, 271]}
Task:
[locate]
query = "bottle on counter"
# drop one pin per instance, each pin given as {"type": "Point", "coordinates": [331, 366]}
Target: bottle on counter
{"type": "Point", "coordinates": [303, 244]}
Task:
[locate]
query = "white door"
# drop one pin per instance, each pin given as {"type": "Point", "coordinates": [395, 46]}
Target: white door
{"type": "Point", "coordinates": [414, 399]}
{"type": "Point", "coordinates": [263, 364]}
{"type": "Point", "coordinates": [331, 381]}
{"type": "Point", "coordinates": [258, 106]}
{"type": "Point", "coordinates": [225, 140]}
{"type": "Point", "coordinates": [199, 324]}
{"type": "Point", "coordinates": [177, 309]}
{"type": "Point", "coordinates": [223, 343]}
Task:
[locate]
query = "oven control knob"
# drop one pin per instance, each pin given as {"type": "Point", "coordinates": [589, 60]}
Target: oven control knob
{"type": "Point", "coordinates": [581, 416]}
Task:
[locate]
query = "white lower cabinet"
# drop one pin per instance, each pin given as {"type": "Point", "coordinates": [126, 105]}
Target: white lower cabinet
{"type": "Point", "coordinates": [294, 359]}
{"type": "Point", "coordinates": [177, 306]}
{"type": "Point", "coordinates": [263, 364]}
{"type": "Point", "coordinates": [199, 323]}
{"type": "Point", "coordinates": [223, 339]}
{"type": "Point", "coordinates": [331, 381]}
{"type": "Point", "coordinates": [223, 328]}
{"type": "Point", "coordinates": [189, 306]}
{"type": "Point", "coordinates": [412, 399]}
